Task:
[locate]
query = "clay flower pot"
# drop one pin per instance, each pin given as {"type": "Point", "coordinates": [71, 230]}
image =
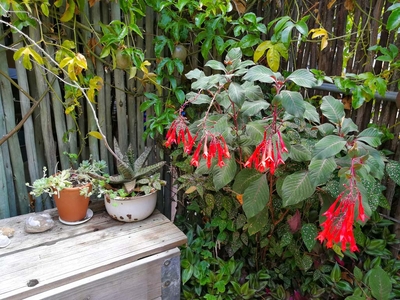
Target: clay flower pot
{"type": "Point", "coordinates": [131, 209]}
{"type": "Point", "coordinates": [71, 205]}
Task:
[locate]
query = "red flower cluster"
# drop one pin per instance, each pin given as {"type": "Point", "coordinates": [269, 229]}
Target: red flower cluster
{"type": "Point", "coordinates": [268, 154]}
{"type": "Point", "coordinates": [338, 226]}
{"type": "Point", "coordinates": [179, 125]}
{"type": "Point", "coordinates": [216, 147]}
{"type": "Point", "coordinates": [212, 146]}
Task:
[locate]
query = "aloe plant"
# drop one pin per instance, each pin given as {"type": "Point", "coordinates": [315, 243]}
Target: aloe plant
{"type": "Point", "coordinates": [133, 175]}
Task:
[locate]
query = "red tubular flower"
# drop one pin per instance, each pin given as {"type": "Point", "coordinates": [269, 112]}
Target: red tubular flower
{"type": "Point", "coordinates": [282, 143]}
{"type": "Point", "coordinates": [338, 226]}
{"type": "Point", "coordinates": [195, 159]}
{"type": "Point", "coordinates": [171, 135]}
{"type": "Point", "coordinates": [220, 154]}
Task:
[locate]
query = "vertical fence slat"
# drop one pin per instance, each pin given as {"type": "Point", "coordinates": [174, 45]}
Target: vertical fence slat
{"type": "Point", "coordinates": [6, 185]}
{"type": "Point", "coordinates": [17, 164]}
{"type": "Point", "coordinates": [45, 112]}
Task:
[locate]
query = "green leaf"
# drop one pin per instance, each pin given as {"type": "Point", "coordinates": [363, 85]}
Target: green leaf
{"type": "Point", "coordinates": [371, 136]}
{"type": "Point", "coordinates": [296, 188]}
{"type": "Point", "coordinates": [222, 176]}
{"type": "Point", "coordinates": [258, 222]}
{"type": "Point", "coordinates": [216, 65]}
{"type": "Point", "coordinates": [299, 153]}
{"type": "Point", "coordinates": [393, 21]}
{"type": "Point", "coordinates": [393, 170]}
{"type": "Point", "coordinates": [358, 274]}
{"type": "Point", "coordinates": [311, 113]}
{"type": "Point", "coordinates": [260, 73]}
{"type": "Point", "coordinates": [309, 233]}
{"type": "Point", "coordinates": [255, 197]}
{"type": "Point", "coordinates": [321, 169]}
{"type": "Point", "coordinates": [256, 131]}
{"type": "Point", "coordinates": [293, 103]}
{"type": "Point", "coordinates": [252, 108]}
{"type": "Point", "coordinates": [303, 77]}
{"type": "Point", "coordinates": [333, 109]}
{"type": "Point", "coordinates": [380, 284]}
{"type": "Point", "coordinates": [335, 273]}
{"type": "Point", "coordinates": [328, 146]}
{"type": "Point", "coordinates": [236, 93]}
{"type": "Point", "coordinates": [244, 178]}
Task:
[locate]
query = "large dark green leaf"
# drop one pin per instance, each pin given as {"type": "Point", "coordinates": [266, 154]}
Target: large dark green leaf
{"type": "Point", "coordinates": [380, 283]}
{"type": "Point", "coordinates": [223, 176]}
{"type": "Point", "coordinates": [321, 169]}
{"type": "Point", "coordinates": [299, 153]}
{"type": "Point", "coordinates": [328, 146]}
{"type": "Point", "coordinates": [303, 77]}
{"type": "Point", "coordinates": [256, 131]}
{"type": "Point", "coordinates": [258, 222]}
{"type": "Point", "coordinates": [371, 136]}
{"type": "Point", "coordinates": [333, 109]}
{"type": "Point", "coordinates": [296, 188]}
{"type": "Point", "coordinates": [311, 113]}
{"type": "Point", "coordinates": [256, 197]}
{"type": "Point", "coordinates": [252, 108]}
{"type": "Point", "coordinates": [236, 93]}
{"type": "Point", "coordinates": [216, 65]}
{"type": "Point", "coordinates": [260, 73]}
{"type": "Point", "coordinates": [293, 103]}
{"type": "Point", "coordinates": [393, 21]}
{"type": "Point", "coordinates": [244, 178]}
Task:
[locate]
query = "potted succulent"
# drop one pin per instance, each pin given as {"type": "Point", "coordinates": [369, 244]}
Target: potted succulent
{"type": "Point", "coordinates": [71, 189]}
{"type": "Point", "coordinates": [131, 195]}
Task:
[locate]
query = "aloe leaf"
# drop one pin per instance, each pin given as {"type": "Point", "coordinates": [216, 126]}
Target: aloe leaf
{"type": "Point", "coordinates": [149, 169]}
{"type": "Point", "coordinates": [142, 159]}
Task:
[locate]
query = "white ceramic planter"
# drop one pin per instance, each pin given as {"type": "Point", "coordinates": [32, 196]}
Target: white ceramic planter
{"type": "Point", "coordinates": [131, 209]}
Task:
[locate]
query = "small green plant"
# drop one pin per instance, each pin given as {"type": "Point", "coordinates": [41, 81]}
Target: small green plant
{"type": "Point", "coordinates": [69, 178]}
{"type": "Point", "coordinates": [134, 177]}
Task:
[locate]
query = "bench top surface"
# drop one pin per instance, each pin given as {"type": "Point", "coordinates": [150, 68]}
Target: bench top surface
{"type": "Point", "coordinates": [68, 253]}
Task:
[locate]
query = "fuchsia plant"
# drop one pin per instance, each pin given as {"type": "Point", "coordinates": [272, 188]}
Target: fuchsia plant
{"type": "Point", "coordinates": [263, 143]}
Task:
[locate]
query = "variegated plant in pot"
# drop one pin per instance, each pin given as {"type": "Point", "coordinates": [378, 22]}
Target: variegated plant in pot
{"type": "Point", "coordinates": [131, 195]}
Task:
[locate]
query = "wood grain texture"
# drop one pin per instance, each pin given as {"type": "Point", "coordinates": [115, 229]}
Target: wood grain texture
{"type": "Point", "coordinates": [67, 254]}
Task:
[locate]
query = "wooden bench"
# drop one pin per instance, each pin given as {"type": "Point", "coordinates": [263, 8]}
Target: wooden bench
{"type": "Point", "coordinates": [99, 259]}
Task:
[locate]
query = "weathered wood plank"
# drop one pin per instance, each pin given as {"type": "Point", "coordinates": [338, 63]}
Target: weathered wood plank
{"type": "Point", "coordinates": [79, 251]}
{"type": "Point", "coordinates": [139, 280]}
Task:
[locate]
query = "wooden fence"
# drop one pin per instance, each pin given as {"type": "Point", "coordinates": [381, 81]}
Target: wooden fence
{"type": "Point", "coordinates": [49, 132]}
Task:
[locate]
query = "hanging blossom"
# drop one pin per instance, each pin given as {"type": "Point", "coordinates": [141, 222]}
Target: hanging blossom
{"type": "Point", "coordinates": [212, 146]}
{"type": "Point", "coordinates": [179, 132]}
{"type": "Point", "coordinates": [268, 154]}
{"type": "Point", "coordinates": [338, 226]}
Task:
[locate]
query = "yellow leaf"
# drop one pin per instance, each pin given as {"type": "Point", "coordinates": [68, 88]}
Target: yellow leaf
{"type": "Point", "coordinates": [273, 59]}
{"type": "Point", "coordinates": [69, 11]}
{"type": "Point", "coordinates": [323, 34]}
{"type": "Point", "coordinates": [132, 72]}
{"type": "Point", "coordinates": [261, 50]}
{"type": "Point", "coordinates": [191, 189]}
{"type": "Point", "coordinates": [80, 60]}
{"type": "Point", "coordinates": [69, 109]}
{"type": "Point", "coordinates": [144, 65]}
{"type": "Point", "coordinates": [96, 135]}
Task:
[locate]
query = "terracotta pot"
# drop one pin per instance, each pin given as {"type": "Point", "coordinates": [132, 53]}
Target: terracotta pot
{"type": "Point", "coordinates": [131, 209]}
{"type": "Point", "coordinates": [71, 205]}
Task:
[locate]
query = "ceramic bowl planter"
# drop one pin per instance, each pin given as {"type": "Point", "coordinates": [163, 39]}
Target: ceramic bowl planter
{"type": "Point", "coordinates": [71, 205]}
{"type": "Point", "coordinates": [131, 209]}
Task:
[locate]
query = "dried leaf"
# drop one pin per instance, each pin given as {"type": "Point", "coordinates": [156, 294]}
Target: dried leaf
{"type": "Point", "coordinates": [331, 3]}
{"type": "Point", "coordinates": [240, 6]}
{"type": "Point", "coordinates": [349, 5]}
